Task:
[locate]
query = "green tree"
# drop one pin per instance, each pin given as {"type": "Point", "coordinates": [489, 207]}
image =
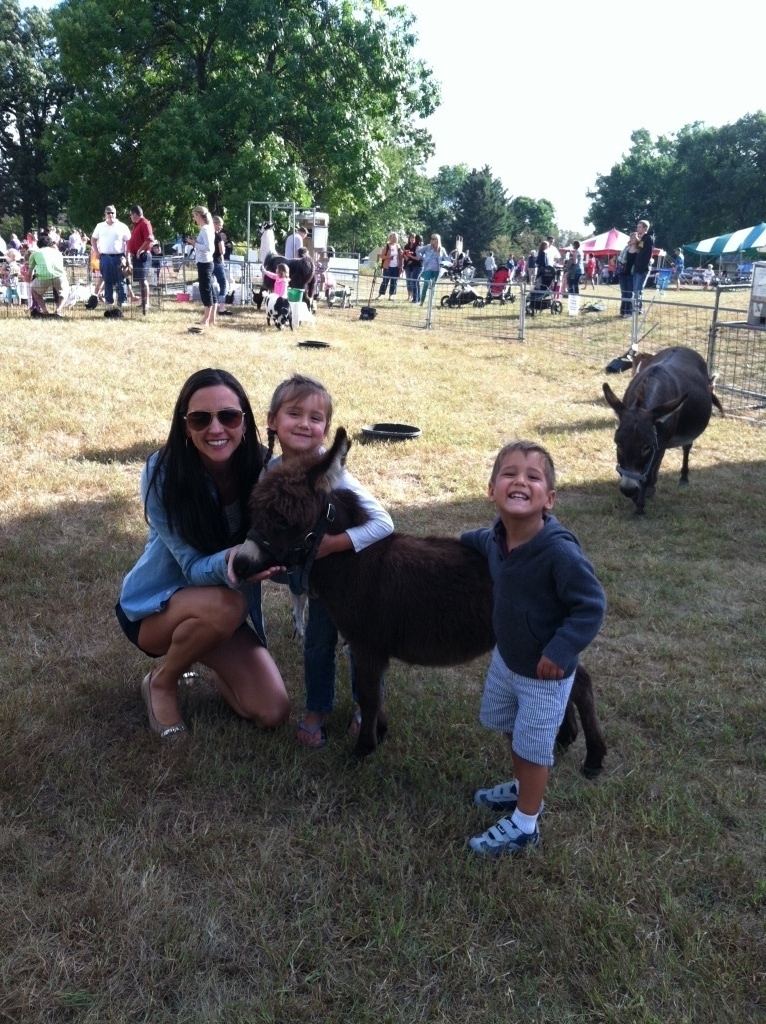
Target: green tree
{"type": "Point", "coordinates": [481, 210]}
{"type": "Point", "coordinates": [720, 178]}
{"type": "Point", "coordinates": [635, 188]}
{"type": "Point", "coordinates": [405, 191]}
{"type": "Point", "coordinates": [703, 181]}
{"type": "Point", "coordinates": [437, 212]}
{"type": "Point", "coordinates": [32, 91]}
{"type": "Point", "coordinates": [531, 218]}
{"type": "Point", "coordinates": [227, 101]}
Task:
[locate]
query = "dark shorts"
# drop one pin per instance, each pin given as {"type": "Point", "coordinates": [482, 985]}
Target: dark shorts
{"type": "Point", "coordinates": [131, 629]}
{"type": "Point", "coordinates": [205, 272]}
{"type": "Point", "coordinates": [141, 266]}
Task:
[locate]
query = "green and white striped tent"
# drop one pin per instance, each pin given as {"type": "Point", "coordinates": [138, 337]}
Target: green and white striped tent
{"type": "Point", "coordinates": [737, 241]}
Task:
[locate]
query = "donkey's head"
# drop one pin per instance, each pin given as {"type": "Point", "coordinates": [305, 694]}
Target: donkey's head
{"type": "Point", "coordinates": [289, 510]}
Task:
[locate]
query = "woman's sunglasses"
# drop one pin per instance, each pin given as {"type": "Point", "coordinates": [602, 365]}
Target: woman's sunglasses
{"type": "Point", "coordinates": [229, 418]}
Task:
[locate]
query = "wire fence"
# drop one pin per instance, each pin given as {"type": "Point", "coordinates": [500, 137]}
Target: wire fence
{"type": "Point", "coordinates": [594, 327]}
{"type": "Point", "coordinates": [737, 359]}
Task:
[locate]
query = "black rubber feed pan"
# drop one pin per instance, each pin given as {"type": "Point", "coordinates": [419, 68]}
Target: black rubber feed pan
{"type": "Point", "coordinates": [314, 344]}
{"type": "Point", "coordinates": [391, 432]}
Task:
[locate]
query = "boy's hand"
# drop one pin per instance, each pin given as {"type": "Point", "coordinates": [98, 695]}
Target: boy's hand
{"type": "Point", "coordinates": [547, 669]}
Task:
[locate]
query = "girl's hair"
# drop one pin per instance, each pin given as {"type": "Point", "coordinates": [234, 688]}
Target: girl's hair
{"type": "Point", "coordinates": [193, 508]}
{"type": "Point", "coordinates": [295, 389]}
{"type": "Point", "coordinates": [418, 239]}
{"type": "Point", "coordinates": [542, 247]}
{"type": "Point", "coordinates": [282, 269]}
{"type": "Point", "coordinates": [437, 237]}
{"type": "Point", "coordinates": [203, 212]}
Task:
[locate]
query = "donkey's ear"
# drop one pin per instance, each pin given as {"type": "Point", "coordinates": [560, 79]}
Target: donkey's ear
{"type": "Point", "coordinates": [613, 400]}
{"type": "Point", "coordinates": [324, 476]}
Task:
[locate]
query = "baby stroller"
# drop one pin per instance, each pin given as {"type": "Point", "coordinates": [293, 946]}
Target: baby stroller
{"type": "Point", "coordinates": [459, 267]}
{"type": "Point", "coordinates": [541, 297]}
{"type": "Point", "coordinates": [462, 295]}
{"type": "Point", "coordinates": [499, 288]}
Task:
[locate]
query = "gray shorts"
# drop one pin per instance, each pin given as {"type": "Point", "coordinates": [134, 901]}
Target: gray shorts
{"type": "Point", "coordinates": [529, 710]}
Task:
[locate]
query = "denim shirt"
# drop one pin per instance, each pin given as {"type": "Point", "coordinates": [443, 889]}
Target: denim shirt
{"type": "Point", "coordinates": [169, 564]}
{"type": "Point", "coordinates": [432, 258]}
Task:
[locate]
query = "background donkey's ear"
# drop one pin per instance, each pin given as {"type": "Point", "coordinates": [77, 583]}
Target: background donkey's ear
{"type": "Point", "coordinates": [325, 475]}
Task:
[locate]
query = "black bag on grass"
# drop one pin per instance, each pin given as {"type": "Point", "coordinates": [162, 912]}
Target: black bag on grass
{"type": "Point", "coordinates": [369, 312]}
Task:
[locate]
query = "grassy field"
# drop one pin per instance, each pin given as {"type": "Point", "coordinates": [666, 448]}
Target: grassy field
{"type": "Point", "coordinates": [236, 877]}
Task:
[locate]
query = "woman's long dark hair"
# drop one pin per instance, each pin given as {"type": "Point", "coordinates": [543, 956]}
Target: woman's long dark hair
{"type": "Point", "coordinates": [193, 508]}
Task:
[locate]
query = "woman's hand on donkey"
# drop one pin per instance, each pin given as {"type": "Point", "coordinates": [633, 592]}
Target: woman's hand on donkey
{"type": "Point", "coordinates": [258, 577]}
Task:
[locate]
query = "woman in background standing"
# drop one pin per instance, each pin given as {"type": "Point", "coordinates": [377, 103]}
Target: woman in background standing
{"type": "Point", "coordinates": [412, 266]}
{"type": "Point", "coordinates": [204, 249]}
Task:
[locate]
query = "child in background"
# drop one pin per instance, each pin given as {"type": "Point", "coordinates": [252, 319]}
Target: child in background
{"type": "Point", "coordinates": [280, 277]}
{"type": "Point", "coordinates": [548, 606]}
{"type": "Point", "coordinates": [299, 417]}
{"type": "Point", "coordinates": [11, 278]}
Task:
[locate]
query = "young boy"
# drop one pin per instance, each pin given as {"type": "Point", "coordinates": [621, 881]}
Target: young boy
{"type": "Point", "coordinates": [548, 607]}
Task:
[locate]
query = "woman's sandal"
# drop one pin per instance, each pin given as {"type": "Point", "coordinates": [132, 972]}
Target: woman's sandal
{"type": "Point", "coordinates": [315, 738]}
{"type": "Point", "coordinates": [163, 731]}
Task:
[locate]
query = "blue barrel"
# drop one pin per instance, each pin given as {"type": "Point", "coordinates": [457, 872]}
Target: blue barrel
{"type": "Point", "coordinates": [663, 277]}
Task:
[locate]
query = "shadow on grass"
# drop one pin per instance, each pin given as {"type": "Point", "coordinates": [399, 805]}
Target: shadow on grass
{"type": "Point", "coordinates": [581, 426]}
{"type": "Point", "coordinates": [138, 452]}
{"type": "Point", "coordinates": [123, 857]}
{"type": "Point", "coordinates": [71, 677]}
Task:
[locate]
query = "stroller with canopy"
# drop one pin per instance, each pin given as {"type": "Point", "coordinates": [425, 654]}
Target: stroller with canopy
{"type": "Point", "coordinates": [542, 296]}
{"type": "Point", "coordinates": [499, 288]}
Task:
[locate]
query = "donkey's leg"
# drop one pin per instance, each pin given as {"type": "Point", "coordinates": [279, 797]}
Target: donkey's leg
{"type": "Point", "coordinates": [595, 745]}
{"type": "Point", "coordinates": [568, 729]}
{"type": "Point", "coordinates": [370, 669]}
{"type": "Point", "coordinates": [685, 466]}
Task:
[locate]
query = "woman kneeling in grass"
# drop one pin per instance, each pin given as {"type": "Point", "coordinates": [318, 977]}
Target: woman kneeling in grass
{"type": "Point", "coordinates": [177, 601]}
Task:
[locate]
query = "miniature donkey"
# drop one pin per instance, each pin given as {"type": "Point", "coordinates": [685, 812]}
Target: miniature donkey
{"type": "Point", "coordinates": [666, 405]}
{"type": "Point", "coordinates": [424, 600]}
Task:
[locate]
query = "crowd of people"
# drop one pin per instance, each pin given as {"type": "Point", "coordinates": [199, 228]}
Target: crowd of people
{"type": "Point", "coordinates": [124, 260]}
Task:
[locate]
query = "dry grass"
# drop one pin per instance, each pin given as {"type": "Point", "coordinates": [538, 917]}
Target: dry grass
{"type": "Point", "coordinates": [235, 877]}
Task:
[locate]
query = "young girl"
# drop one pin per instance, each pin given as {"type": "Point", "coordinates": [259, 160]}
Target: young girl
{"type": "Point", "coordinates": [280, 277]}
{"type": "Point", "coordinates": [176, 602]}
{"type": "Point", "coordinates": [299, 417]}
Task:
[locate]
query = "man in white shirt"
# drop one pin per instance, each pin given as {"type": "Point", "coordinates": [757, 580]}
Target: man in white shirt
{"type": "Point", "coordinates": [294, 243]}
{"type": "Point", "coordinates": [108, 242]}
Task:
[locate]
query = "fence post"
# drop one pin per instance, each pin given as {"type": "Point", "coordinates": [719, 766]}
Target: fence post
{"type": "Point", "coordinates": [712, 333]}
{"type": "Point", "coordinates": [634, 322]}
{"type": "Point", "coordinates": [431, 285]}
{"type": "Point", "coordinates": [523, 312]}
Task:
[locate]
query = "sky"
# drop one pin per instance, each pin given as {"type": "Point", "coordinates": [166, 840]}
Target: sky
{"type": "Point", "coordinates": [547, 94]}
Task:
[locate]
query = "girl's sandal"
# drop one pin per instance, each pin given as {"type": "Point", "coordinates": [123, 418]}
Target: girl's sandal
{"type": "Point", "coordinates": [314, 739]}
